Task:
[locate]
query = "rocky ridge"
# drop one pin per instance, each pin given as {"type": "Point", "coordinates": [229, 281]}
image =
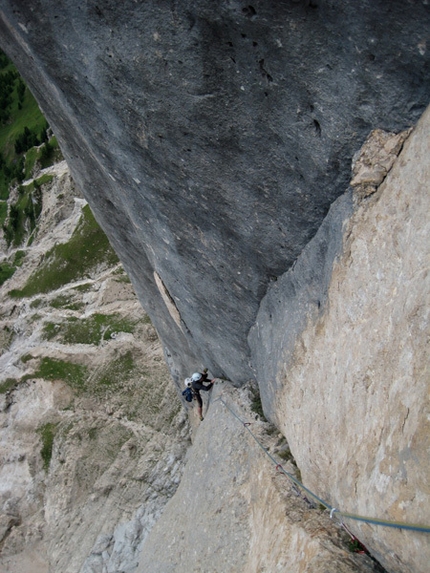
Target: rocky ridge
{"type": "Point", "coordinates": [85, 500]}
{"type": "Point", "coordinates": [235, 512]}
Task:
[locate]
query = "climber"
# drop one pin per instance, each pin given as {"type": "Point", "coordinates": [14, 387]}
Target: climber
{"type": "Point", "coordinates": [198, 379]}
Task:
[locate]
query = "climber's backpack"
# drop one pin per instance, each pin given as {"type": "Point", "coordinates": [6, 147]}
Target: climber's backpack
{"type": "Point", "coordinates": [188, 394]}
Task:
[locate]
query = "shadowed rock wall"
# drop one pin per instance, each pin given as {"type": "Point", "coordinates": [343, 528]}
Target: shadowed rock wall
{"type": "Point", "coordinates": [210, 138]}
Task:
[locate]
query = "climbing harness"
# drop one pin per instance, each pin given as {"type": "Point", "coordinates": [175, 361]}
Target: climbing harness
{"type": "Point", "coordinates": [334, 511]}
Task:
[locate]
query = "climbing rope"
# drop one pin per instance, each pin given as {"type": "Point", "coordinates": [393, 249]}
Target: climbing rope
{"type": "Point", "coordinates": [334, 511]}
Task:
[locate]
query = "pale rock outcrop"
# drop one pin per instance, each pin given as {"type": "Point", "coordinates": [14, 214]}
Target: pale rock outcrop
{"type": "Point", "coordinates": [375, 159]}
{"type": "Point", "coordinates": [348, 383]}
{"type": "Point", "coordinates": [234, 512]}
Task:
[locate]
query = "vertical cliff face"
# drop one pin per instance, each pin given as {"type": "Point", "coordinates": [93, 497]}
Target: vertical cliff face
{"type": "Point", "coordinates": [346, 375]}
{"type": "Point", "coordinates": [211, 138]}
{"type": "Point", "coordinates": [340, 345]}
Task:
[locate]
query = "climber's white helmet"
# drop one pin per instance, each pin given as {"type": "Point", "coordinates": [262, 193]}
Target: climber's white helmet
{"type": "Point", "coordinates": [196, 377]}
{"type": "Point", "coordinates": [187, 382]}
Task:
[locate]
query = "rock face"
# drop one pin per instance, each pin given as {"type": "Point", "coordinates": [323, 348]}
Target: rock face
{"type": "Point", "coordinates": [211, 138]}
{"type": "Point", "coordinates": [340, 344]}
{"type": "Point", "coordinates": [347, 373]}
{"type": "Point", "coordinates": [214, 142]}
{"type": "Point", "coordinates": [238, 514]}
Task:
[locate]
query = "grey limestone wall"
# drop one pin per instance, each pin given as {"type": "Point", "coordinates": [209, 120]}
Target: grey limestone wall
{"type": "Point", "coordinates": [211, 138]}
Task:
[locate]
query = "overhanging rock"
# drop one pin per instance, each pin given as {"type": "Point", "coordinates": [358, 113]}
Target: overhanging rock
{"type": "Point", "coordinates": [210, 138]}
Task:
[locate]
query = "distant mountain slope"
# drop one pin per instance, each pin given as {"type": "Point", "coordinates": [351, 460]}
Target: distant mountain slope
{"type": "Point", "coordinates": [88, 412]}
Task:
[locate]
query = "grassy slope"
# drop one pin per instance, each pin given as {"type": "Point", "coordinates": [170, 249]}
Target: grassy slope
{"type": "Point", "coordinates": [29, 116]}
{"type": "Point", "coordinates": [22, 115]}
{"type": "Point", "coordinates": [68, 262]}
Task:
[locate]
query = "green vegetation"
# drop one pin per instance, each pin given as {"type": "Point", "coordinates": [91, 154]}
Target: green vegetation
{"type": "Point", "coordinates": [19, 258]}
{"type": "Point", "coordinates": [35, 318]}
{"type": "Point", "coordinates": [26, 140]}
{"type": "Point", "coordinates": [355, 546]}
{"type": "Point", "coordinates": [6, 271]}
{"type": "Point", "coordinates": [123, 279]}
{"type": "Point", "coordinates": [22, 125]}
{"type": "Point", "coordinates": [117, 372]}
{"type": "Point", "coordinates": [68, 262]}
{"type": "Point", "coordinates": [84, 288]}
{"type": "Point", "coordinates": [47, 433]}
{"type": "Point", "coordinates": [24, 213]}
{"type": "Point", "coordinates": [7, 334]}
{"type": "Point", "coordinates": [45, 155]}
{"type": "Point", "coordinates": [50, 153]}
{"type": "Point", "coordinates": [50, 330]}
{"type": "Point", "coordinates": [7, 268]}
{"type": "Point", "coordinates": [90, 330]}
{"type": "Point", "coordinates": [109, 378]}
{"type": "Point", "coordinates": [3, 212]}
{"type": "Point", "coordinates": [31, 157]}
{"type": "Point", "coordinates": [67, 302]}
{"type": "Point", "coordinates": [92, 433]}
{"type": "Point", "coordinates": [121, 276]}
{"type": "Point", "coordinates": [74, 375]}
{"type": "Point", "coordinates": [61, 301]}
{"type": "Point", "coordinates": [37, 183]}
{"type": "Point", "coordinates": [146, 319]}
{"type": "Point", "coordinates": [7, 385]}
{"type": "Point", "coordinates": [23, 143]}
{"type": "Point", "coordinates": [256, 405]}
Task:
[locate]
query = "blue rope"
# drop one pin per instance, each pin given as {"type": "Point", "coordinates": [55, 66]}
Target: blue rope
{"type": "Point", "coordinates": [333, 510]}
